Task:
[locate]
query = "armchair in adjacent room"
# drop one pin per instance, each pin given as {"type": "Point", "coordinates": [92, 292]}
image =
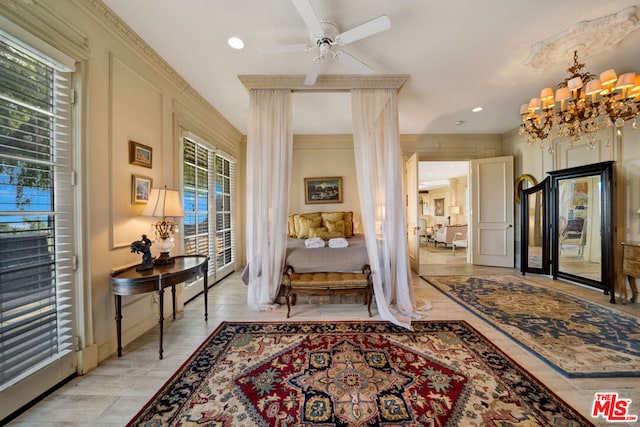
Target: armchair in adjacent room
{"type": "Point", "coordinates": [459, 241]}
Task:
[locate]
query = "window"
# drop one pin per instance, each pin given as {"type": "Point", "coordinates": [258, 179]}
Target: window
{"type": "Point", "coordinates": [225, 236]}
{"type": "Point", "coordinates": [208, 175]}
{"type": "Point", "coordinates": [36, 214]}
{"type": "Point", "coordinates": [198, 238]}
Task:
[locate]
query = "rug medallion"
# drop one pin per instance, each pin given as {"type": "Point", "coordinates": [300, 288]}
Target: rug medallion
{"type": "Point", "coordinates": [353, 374]}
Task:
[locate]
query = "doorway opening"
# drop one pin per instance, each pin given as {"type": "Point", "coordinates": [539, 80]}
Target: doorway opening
{"type": "Point", "coordinates": [443, 192]}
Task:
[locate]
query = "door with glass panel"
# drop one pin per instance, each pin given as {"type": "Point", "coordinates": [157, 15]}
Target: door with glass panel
{"type": "Point", "coordinates": [208, 226]}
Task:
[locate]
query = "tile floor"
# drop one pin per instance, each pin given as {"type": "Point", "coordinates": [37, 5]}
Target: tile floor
{"type": "Point", "coordinates": [112, 394]}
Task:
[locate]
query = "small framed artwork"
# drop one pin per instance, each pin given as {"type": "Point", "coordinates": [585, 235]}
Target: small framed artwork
{"type": "Point", "coordinates": [140, 188]}
{"type": "Point", "coordinates": [140, 154]}
{"type": "Point", "coordinates": [438, 207]}
{"type": "Point", "coordinates": [323, 190]}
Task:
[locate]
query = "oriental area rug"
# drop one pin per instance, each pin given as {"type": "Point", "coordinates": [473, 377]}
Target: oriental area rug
{"type": "Point", "coordinates": [576, 337]}
{"type": "Point", "coordinates": [443, 373]}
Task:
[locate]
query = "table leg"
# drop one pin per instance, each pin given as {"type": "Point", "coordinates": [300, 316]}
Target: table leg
{"type": "Point", "coordinates": [119, 323]}
{"type": "Point", "coordinates": [161, 316]}
{"type": "Point", "coordinates": [173, 300]}
{"type": "Point", "coordinates": [634, 288]}
{"type": "Point", "coordinates": [206, 289]}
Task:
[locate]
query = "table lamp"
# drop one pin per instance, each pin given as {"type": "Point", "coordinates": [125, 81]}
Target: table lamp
{"type": "Point", "coordinates": [164, 203]}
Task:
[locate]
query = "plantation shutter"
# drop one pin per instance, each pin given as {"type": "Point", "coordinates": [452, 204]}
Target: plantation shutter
{"type": "Point", "coordinates": [225, 224]}
{"type": "Point", "coordinates": [36, 212]}
{"type": "Point", "coordinates": [208, 189]}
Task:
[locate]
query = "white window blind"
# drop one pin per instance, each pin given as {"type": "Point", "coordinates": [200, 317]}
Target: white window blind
{"type": "Point", "coordinates": [199, 237]}
{"type": "Point", "coordinates": [36, 214]}
{"type": "Point", "coordinates": [225, 227]}
{"type": "Point", "coordinates": [208, 188]}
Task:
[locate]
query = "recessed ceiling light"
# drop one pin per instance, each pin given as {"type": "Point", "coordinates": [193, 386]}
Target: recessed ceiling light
{"type": "Point", "coordinates": [235, 42]}
{"type": "Point", "coordinates": [477, 109]}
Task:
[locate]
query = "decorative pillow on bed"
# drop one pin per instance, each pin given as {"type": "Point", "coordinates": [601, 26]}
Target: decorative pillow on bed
{"type": "Point", "coordinates": [325, 234]}
{"type": "Point", "coordinates": [335, 226]}
{"type": "Point", "coordinates": [291, 230]}
{"type": "Point", "coordinates": [347, 217]}
{"type": "Point", "coordinates": [296, 222]}
{"type": "Point", "coordinates": [306, 224]}
{"type": "Point", "coordinates": [317, 232]}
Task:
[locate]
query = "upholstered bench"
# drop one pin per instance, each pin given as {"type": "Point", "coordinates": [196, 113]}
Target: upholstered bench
{"type": "Point", "coordinates": [328, 283]}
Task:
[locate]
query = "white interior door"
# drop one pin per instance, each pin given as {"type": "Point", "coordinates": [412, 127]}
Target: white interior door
{"type": "Point", "coordinates": [491, 216]}
{"type": "Point", "coordinates": [412, 212]}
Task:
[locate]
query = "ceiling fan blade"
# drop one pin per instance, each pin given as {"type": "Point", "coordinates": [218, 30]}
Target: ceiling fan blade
{"type": "Point", "coordinates": [285, 48]}
{"type": "Point", "coordinates": [353, 62]}
{"type": "Point", "coordinates": [312, 75]}
{"type": "Point", "coordinates": [309, 16]}
{"type": "Point", "coordinates": [381, 23]}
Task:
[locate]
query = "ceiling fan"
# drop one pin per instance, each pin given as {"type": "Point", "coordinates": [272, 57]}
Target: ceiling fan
{"type": "Point", "coordinates": [325, 35]}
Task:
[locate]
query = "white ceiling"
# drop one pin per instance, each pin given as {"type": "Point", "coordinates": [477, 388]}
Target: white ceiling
{"type": "Point", "coordinates": [459, 54]}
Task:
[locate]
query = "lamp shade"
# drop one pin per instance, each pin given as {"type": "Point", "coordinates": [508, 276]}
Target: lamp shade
{"type": "Point", "coordinates": [163, 202]}
{"type": "Point", "coordinates": [454, 210]}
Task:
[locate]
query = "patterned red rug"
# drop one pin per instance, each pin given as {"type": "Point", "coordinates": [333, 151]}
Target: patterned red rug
{"type": "Point", "coordinates": [443, 373]}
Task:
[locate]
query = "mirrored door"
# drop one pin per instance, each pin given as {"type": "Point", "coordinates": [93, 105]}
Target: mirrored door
{"type": "Point", "coordinates": [535, 229]}
{"type": "Point", "coordinates": [581, 232]}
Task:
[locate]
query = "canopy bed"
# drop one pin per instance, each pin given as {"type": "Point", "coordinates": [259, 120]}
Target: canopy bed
{"type": "Point", "coordinates": [379, 176]}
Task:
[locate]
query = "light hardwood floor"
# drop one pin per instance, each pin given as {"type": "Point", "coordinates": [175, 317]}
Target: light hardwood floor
{"type": "Point", "coordinates": [113, 393]}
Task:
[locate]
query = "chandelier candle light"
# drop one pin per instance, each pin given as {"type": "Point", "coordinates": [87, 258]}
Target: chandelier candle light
{"type": "Point", "coordinates": [579, 101]}
{"type": "Point", "coordinates": [164, 203]}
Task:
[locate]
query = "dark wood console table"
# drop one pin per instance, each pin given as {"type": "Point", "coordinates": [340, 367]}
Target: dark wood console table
{"type": "Point", "coordinates": [128, 281]}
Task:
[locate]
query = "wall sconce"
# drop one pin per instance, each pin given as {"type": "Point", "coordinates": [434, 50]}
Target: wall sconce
{"type": "Point", "coordinates": [164, 203]}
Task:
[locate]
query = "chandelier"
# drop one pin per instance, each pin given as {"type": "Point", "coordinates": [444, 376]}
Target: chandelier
{"type": "Point", "coordinates": [582, 105]}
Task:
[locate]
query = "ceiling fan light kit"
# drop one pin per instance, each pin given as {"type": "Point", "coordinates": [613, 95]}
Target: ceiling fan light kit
{"type": "Point", "coordinates": [325, 35]}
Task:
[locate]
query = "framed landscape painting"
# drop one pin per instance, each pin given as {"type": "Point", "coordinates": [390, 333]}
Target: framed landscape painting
{"type": "Point", "coordinates": [140, 154]}
{"type": "Point", "coordinates": [140, 188]}
{"type": "Point", "coordinates": [323, 190]}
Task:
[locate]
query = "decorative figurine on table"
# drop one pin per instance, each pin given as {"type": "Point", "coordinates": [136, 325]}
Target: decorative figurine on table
{"type": "Point", "coordinates": [143, 246]}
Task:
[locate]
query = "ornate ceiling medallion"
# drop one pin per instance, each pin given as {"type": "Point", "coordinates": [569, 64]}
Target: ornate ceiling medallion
{"type": "Point", "coordinates": [588, 37]}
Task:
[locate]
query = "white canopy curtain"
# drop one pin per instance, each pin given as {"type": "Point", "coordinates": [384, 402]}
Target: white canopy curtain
{"type": "Point", "coordinates": [269, 151]}
{"type": "Point", "coordinates": [379, 171]}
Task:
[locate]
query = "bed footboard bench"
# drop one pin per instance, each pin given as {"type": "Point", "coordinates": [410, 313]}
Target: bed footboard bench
{"type": "Point", "coordinates": [328, 283]}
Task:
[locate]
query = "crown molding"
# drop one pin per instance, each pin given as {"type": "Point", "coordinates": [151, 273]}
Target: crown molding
{"type": "Point", "coordinates": [112, 23]}
{"type": "Point", "coordinates": [48, 24]}
{"type": "Point", "coordinates": [325, 82]}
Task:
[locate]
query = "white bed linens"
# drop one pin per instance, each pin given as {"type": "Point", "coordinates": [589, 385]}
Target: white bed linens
{"type": "Point", "coordinates": [338, 242]}
{"type": "Point", "coordinates": [314, 242]}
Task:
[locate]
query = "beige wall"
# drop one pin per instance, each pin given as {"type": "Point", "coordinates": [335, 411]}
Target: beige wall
{"type": "Point", "coordinates": [125, 92]}
{"type": "Point", "coordinates": [324, 156]}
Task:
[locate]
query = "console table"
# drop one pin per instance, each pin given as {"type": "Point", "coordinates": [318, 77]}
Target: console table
{"type": "Point", "coordinates": [631, 266]}
{"type": "Point", "coordinates": [128, 281]}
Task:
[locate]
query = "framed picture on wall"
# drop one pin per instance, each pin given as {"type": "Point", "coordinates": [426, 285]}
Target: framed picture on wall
{"type": "Point", "coordinates": [323, 190]}
{"type": "Point", "coordinates": [438, 207]}
{"type": "Point", "coordinates": [140, 188]}
{"type": "Point", "coordinates": [140, 154]}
